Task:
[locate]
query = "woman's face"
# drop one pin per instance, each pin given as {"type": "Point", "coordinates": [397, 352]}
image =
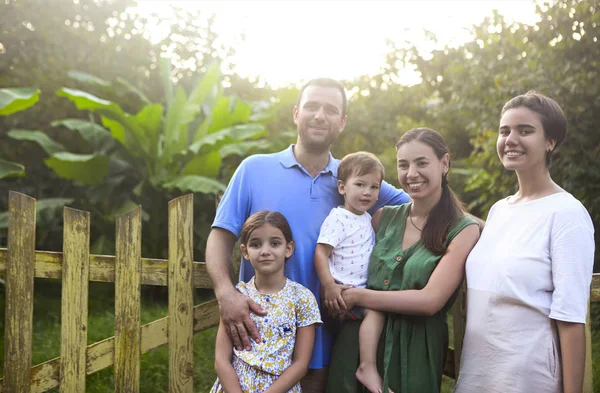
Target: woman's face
{"type": "Point", "coordinates": [419, 170]}
{"type": "Point", "coordinates": [522, 143]}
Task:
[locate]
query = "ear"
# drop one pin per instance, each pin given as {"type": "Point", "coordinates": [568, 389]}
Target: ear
{"type": "Point", "coordinates": [289, 249]}
{"type": "Point", "coordinates": [343, 124]}
{"type": "Point", "coordinates": [446, 162]}
{"type": "Point", "coordinates": [341, 187]}
{"type": "Point", "coordinates": [244, 251]}
{"type": "Point", "coordinates": [551, 144]}
{"type": "Point", "coordinates": [295, 115]}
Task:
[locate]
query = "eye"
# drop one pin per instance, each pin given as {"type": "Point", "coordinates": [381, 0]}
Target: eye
{"type": "Point", "coordinates": [504, 132]}
{"type": "Point", "coordinates": [254, 245]}
{"type": "Point", "coordinates": [275, 243]}
{"type": "Point", "coordinates": [402, 165]}
{"type": "Point", "coordinates": [375, 187]}
{"type": "Point", "coordinates": [525, 131]}
{"type": "Point", "coordinates": [311, 106]}
{"type": "Point", "coordinates": [359, 184]}
{"type": "Point", "coordinates": [421, 164]}
{"type": "Point", "coordinates": [331, 110]}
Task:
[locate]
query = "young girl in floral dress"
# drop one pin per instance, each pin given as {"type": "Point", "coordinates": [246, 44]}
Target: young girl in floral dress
{"type": "Point", "coordinates": [277, 362]}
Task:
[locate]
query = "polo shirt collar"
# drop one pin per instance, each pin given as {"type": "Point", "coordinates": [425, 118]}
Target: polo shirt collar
{"type": "Point", "coordinates": [288, 160]}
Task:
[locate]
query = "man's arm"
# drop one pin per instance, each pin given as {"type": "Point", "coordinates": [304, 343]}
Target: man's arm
{"type": "Point", "coordinates": [234, 307]}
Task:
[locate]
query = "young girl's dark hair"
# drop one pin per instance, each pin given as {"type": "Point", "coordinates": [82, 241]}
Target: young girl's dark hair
{"type": "Point", "coordinates": [449, 208]}
{"type": "Point", "coordinates": [263, 217]}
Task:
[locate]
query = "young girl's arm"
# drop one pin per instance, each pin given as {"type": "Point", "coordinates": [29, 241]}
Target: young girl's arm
{"type": "Point", "coordinates": [223, 353]}
{"type": "Point", "coordinates": [444, 280]}
{"type": "Point", "coordinates": [305, 339]}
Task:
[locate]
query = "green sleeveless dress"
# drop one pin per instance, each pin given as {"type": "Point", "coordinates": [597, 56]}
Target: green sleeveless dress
{"type": "Point", "coordinates": [412, 350]}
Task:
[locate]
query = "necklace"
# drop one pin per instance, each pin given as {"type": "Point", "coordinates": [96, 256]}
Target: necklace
{"type": "Point", "coordinates": [412, 222]}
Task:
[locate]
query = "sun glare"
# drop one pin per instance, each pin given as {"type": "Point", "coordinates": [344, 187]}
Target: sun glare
{"type": "Point", "coordinates": [293, 41]}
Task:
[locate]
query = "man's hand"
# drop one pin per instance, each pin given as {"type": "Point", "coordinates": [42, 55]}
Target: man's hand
{"type": "Point", "coordinates": [235, 311]}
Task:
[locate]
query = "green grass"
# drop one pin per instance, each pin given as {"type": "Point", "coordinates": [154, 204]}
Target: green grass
{"type": "Point", "coordinates": [154, 365]}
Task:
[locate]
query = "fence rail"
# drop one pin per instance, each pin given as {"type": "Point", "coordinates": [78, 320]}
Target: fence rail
{"type": "Point", "coordinates": [20, 263]}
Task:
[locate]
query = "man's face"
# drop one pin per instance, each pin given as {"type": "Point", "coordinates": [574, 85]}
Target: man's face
{"type": "Point", "coordinates": [319, 117]}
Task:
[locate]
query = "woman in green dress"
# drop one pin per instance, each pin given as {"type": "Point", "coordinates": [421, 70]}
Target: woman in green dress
{"type": "Point", "coordinates": [415, 269]}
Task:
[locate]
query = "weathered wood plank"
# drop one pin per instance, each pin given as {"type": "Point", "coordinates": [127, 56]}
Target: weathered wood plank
{"type": "Point", "coordinates": [181, 301]}
{"type": "Point", "coordinates": [595, 291]}
{"type": "Point", "coordinates": [128, 269]}
{"type": "Point", "coordinates": [74, 310]}
{"type": "Point", "coordinates": [100, 355]}
{"type": "Point", "coordinates": [102, 268]}
{"type": "Point", "coordinates": [19, 292]}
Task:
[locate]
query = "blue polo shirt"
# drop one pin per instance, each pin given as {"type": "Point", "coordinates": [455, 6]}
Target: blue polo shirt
{"type": "Point", "coordinates": [277, 182]}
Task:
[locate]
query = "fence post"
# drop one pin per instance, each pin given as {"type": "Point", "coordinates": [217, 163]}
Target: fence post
{"type": "Point", "coordinates": [181, 301]}
{"type": "Point", "coordinates": [19, 293]}
{"type": "Point", "coordinates": [128, 273]}
{"type": "Point", "coordinates": [74, 311]}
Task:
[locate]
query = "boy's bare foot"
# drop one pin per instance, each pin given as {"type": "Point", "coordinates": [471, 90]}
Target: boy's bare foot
{"type": "Point", "coordinates": [367, 375]}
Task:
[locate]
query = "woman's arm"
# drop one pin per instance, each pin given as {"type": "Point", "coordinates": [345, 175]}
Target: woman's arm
{"type": "Point", "coordinates": [444, 280]}
{"type": "Point", "coordinates": [572, 350]}
{"type": "Point", "coordinates": [223, 353]}
{"type": "Point", "coordinates": [305, 339]}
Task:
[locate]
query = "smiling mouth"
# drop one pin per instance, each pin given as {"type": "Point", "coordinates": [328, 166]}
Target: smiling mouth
{"type": "Point", "coordinates": [513, 154]}
{"type": "Point", "coordinates": [414, 186]}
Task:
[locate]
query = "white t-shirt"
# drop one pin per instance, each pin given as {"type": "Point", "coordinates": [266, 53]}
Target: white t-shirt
{"type": "Point", "coordinates": [352, 238]}
{"type": "Point", "coordinates": [532, 265]}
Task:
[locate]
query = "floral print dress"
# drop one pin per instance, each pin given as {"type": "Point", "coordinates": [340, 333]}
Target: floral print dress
{"type": "Point", "coordinates": [294, 306]}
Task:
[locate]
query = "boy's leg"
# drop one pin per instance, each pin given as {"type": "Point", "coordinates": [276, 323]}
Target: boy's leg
{"type": "Point", "coordinates": [368, 340]}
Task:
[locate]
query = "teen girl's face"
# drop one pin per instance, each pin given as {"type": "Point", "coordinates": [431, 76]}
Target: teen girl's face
{"type": "Point", "coordinates": [522, 144]}
{"type": "Point", "coordinates": [267, 250]}
{"type": "Point", "coordinates": [419, 170]}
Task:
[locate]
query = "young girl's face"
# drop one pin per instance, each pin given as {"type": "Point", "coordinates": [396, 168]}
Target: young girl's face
{"type": "Point", "coordinates": [267, 250]}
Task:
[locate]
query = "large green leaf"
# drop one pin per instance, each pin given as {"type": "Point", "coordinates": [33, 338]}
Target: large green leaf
{"type": "Point", "coordinates": [84, 168]}
{"type": "Point", "coordinates": [200, 184]}
{"type": "Point", "coordinates": [49, 145]}
{"type": "Point", "coordinates": [13, 100]}
{"type": "Point", "coordinates": [181, 111]}
{"type": "Point", "coordinates": [94, 134]}
{"type": "Point", "coordinates": [150, 120]}
{"type": "Point", "coordinates": [174, 132]}
{"type": "Point", "coordinates": [227, 112]}
{"type": "Point", "coordinates": [205, 165]}
{"type": "Point", "coordinates": [116, 129]}
{"type": "Point", "coordinates": [134, 136]}
{"type": "Point", "coordinates": [10, 169]}
{"type": "Point", "coordinates": [229, 135]}
{"type": "Point", "coordinates": [245, 148]}
{"type": "Point", "coordinates": [88, 79]}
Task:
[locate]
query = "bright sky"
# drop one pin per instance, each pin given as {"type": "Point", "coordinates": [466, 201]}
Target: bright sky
{"type": "Point", "coordinates": [293, 41]}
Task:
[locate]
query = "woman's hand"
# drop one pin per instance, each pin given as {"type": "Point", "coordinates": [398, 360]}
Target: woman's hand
{"type": "Point", "coordinates": [350, 297]}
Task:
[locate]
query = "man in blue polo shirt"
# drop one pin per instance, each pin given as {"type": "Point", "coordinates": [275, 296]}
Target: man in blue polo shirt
{"type": "Point", "coordinates": [301, 183]}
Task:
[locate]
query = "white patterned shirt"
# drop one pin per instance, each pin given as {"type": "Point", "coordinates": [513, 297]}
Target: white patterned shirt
{"type": "Point", "coordinates": [352, 238]}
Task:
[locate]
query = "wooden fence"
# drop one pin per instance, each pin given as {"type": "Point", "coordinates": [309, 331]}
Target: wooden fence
{"type": "Point", "coordinates": [20, 263]}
